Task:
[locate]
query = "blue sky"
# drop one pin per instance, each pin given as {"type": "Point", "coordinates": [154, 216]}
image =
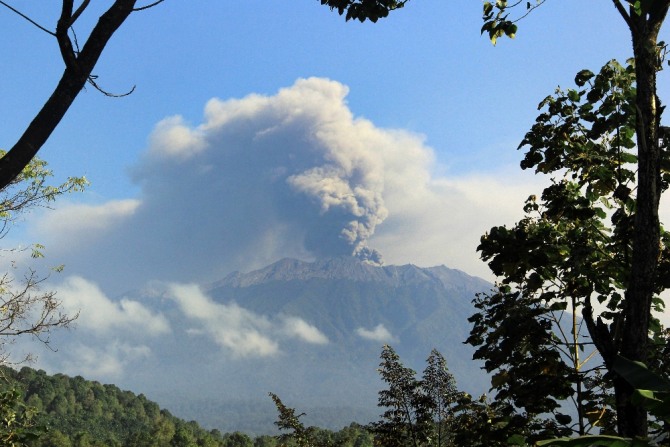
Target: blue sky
{"type": "Point", "coordinates": [410, 125]}
{"type": "Point", "coordinates": [425, 70]}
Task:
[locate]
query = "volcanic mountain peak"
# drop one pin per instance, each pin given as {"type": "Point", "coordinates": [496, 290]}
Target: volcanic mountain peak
{"type": "Point", "coordinates": [347, 268]}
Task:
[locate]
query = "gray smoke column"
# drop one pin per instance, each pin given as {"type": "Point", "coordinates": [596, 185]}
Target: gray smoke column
{"type": "Point", "coordinates": [293, 174]}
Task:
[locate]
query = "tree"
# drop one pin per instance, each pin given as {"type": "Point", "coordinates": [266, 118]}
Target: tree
{"type": "Point", "coordinates": [17, 420]}
{"type": "Point", "coordinates": [24, 309]}
{"type": "Point", "coordinates": [441, 394]}
{"type": "Point", "coordinates": [574, 246]}
{"type": "Point", "coordinates": [405, 420]}
{"type": "Point", "coordinates": [644, 19]}
{"type": "Point", "coordinates": [289, 421]}
{"type": "Point", "coordinates": [417, 412]}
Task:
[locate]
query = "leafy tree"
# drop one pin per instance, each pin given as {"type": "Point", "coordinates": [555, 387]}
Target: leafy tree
{"type": "Point", "coordinates": [406, 418]}
{"type": "Point", "coordinates": [441, 394]}
{"type": "Point", "coordinates": [417, 412]}
{"type": "Point", "coordinates": [651, 390]}
{"type": "Point", "coordinates": [237, 439]}
{"type": "Point", "coordinates": [574, 246]}
{"type": "Point", "coordinates": [24, 309]}
{"type": "Point", "coordinates": [644, 19]}
{"type": "Point", "coordinates": [289, 421]}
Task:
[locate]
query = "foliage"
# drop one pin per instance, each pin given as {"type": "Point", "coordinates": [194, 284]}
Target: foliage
{"type": "Point", "coordinates": [81, 412]}
{"type": "Point", "coordinates": [406, 420]}
{"type": "Point", "coordinates": [573, 246]}
{"type": "Point", "coordinates": [640, 281]}
{"type": "Point", "coordinates": [17, 420]}
{"type": "Point", "coordinates": [441, 396]}
{"type": "Point", "coordinates": [288, 420]}
{"type": "Point", "coordinates": [652, 391]}
{"type": "Point", "coordinates": [416, 412]}
{"type": "Point", "coordinates": [361, 10]}
{"type": "Point", "coordinates": [497, 22]}
{"type": "Point", "coordinates": [24, 309]}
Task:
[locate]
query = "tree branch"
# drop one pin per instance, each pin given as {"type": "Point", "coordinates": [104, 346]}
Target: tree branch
{"type": "Point", "coordinates": [78, 12]}
{"type": "Point", "coordinates": [64, 42]}
{"type": "Point", "coordinates": [16, 11]}
{"type": "Point", "coordinates": [74, 78]}
{"type": "Point", "coordinates": [142, 8]}
{"type": "Point", "coordinates": [626, 17]}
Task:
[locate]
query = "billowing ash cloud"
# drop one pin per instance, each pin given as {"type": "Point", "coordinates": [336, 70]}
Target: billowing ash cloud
{"type": "Point", "coordinates": [319, 170]}
{"type": "Point", "coordinates": [263, 177]}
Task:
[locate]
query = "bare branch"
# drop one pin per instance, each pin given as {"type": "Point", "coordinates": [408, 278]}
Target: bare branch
{"type": "Point", "coordinates": [626, 17]}
{"type": "Point", "coordinates": [529, 10]}
{"type": "Point", "coordinates": [141, 8]}
{"type": "Point", "coordinates": [91, 80]}
{"type": "Point", "coordinates": [78, 12]}
{"type": "Point", "coordinates": [64, 43]}
{"type": "Point", "coordinates": [16, 11]}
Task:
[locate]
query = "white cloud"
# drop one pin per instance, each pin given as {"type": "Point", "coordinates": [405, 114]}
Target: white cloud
{"type": "Point", "coordinates": [378, 333]}
{"type": "Point", "coordinates": [238, 330]}
{"type": "Point", "coordinates": [440, 221]}
{"type": "Point", "coordinates": [299, 328]}
{"type": "Point", "coordinates": [99, 314]}
{"type": "Point", "coordinates": [108, 362]}
{"type": "Point", "coordinates": [229, 326]}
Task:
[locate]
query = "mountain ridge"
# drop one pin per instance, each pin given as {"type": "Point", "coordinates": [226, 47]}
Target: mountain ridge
{"type": "Point", "coordinates": [343, 267]}
{"type": "Point", "coordinates": [325, 322]}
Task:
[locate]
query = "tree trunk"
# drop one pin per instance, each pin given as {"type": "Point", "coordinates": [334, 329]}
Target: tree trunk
{"type": "Point", "coordinates": [631, 419]}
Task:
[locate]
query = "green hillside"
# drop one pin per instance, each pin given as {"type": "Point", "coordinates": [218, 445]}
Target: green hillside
{"type": "Point", "coordinates": [82, 413]}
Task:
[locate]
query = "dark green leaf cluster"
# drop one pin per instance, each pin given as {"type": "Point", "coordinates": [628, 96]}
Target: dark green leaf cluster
{"type": "Point", "coordinates": [574, 245]}
{"type": "Point", "coordinates": [362, 10]}
{"type": "Point", "coordinates": [497, 22]}
{"type": "Point", "coordinates": [17, 420]}
{"type": "Point", "coordinates": [652, 391]}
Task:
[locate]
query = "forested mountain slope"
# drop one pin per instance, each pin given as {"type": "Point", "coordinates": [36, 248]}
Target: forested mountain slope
{"type": "Point", "coordinates": [81, 413]}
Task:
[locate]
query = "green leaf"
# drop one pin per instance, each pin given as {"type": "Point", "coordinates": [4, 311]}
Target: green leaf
{"type": "Point", "coordinates": [638, 375]}
{"type": "Point", "coordinates": [593, 440]}
{"type": "Point", "coordinates": [583, 76]}
{"type": "Point", "coordinates": [516, 439]}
